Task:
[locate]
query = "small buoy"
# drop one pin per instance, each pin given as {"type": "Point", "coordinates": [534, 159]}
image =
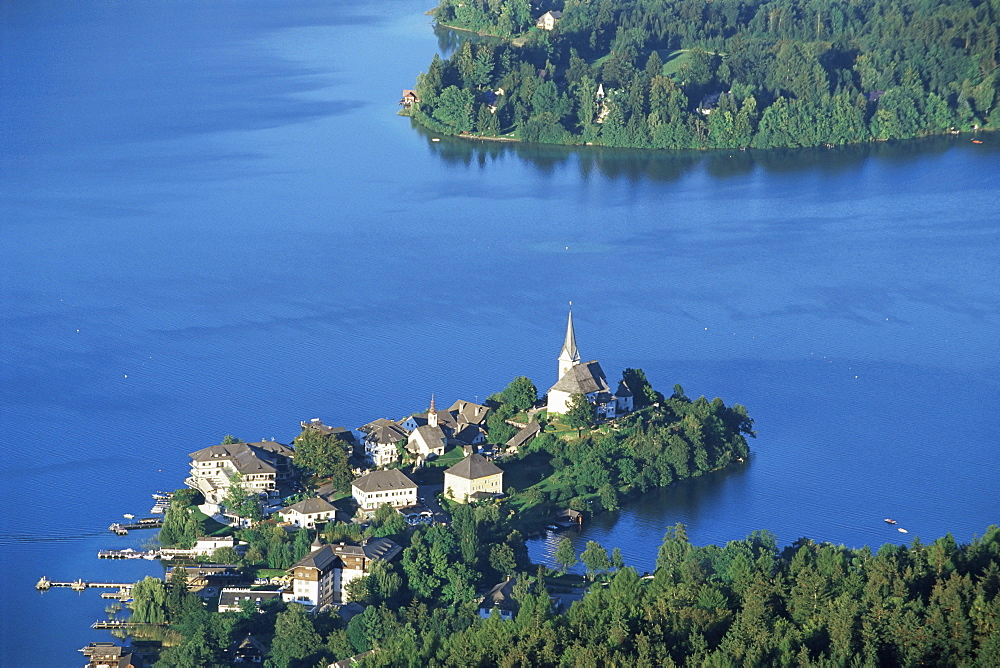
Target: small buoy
{"type": "Point", "coordinates": [126, 375]}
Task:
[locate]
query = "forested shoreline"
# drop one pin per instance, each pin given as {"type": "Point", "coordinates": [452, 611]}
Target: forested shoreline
{"type": "Point", "coordinates": [686, 74]}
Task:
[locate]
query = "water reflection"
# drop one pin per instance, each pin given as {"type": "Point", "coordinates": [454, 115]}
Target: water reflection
{"type": "Point", "coordinates": [635, 165]}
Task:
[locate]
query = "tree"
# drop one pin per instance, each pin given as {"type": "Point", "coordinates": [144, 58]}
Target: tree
{"type": "Point", "coordinates": [149, 601]}
{"type": "Point", "coordinates": [241, 502]}
{"type": "Point", "coordinates": [325, 455]}
{"type": "Point", "coordinates": [595, 558]}
{"type": "Point", "coordinates": [295, 639]}
{"type": "Point", "coordinates": [565, 555]}
{"type": "Point", "coordinates": [229, 439]}
{"type": "Point", "coordinates": [643, 393]}
{"type": "Point", "coordinates": [581, 413]}
{"type": "Point", "coordinates": [616, 559]}
{"type": "Point", "coordinates": [520, 395]}
{"type": "Point", "coordinates": [455, 108]}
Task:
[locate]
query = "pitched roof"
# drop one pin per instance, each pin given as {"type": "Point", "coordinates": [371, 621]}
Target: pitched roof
{"type": "Point", "coordinates": [321, 559]}
{"type": "Point", "coordinates": [380, 481]}
{"type": "Point", "coordinates": [473, 467]}
{"type": "Point", "coordinates": [525, 435]}
{"type": "Point", "coordinates": [466, 411]}
{"type": "Point", "coordinates": [310, 506]}
{"type": "Point", "coordinates": [383, 431]}
{"type": "Point", "coordinates": [501, 596]}
{"type": "Point", "coordinates": [468, 433]}
{"type": "Point", "coordinates": [583, 378]}
{"type": "Point", "coordinates": [569, 350]}
{"type": "Point", "coordinates": [623, 390]}
{"type": "Point", "coordinates": [373, 548]}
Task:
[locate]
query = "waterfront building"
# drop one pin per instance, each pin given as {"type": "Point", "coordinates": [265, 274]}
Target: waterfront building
{"type": "Point", "coordinates": [380, 438]}
{"type": "Point", "coordinates": [264, 467]}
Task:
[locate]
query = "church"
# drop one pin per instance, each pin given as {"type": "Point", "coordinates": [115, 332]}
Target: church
{"type": "Point", "coordinates": [588, 379]}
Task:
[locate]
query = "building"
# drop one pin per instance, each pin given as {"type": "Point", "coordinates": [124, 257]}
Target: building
{"type": "Point", "coordinates": [525, 436]}
{"type": "Point", "coordinates": [310, 512]}
{"type": "Point", "coordinates": [409, 98]}
{"type": "Point", "coordinates": [231, 598]}
{"type": "Point", "coordinates": [586, 378]}
{"type": "Point", "coordinates": [473, 479]}
{"type": "Point", "coordinates": [548, 20]}
{"type": "Point", "coordinates": [108, 655]}
{"type": "Point", "coordinates": [501, 599]}
{"type": "Point", "coordinates": [321, 577]}
{"type": "Point", "coordinates": [390, 486]}
{"type": "Point", "coordinates": [429, 439]}
{"type": "Point", "coordinates": [380, 438]}
{"type": "Point", "coordinates": [248, 650]}
{"type": "Point", "coordinates": [205, 547]}
{"type": "Point", "coordinates": [264, 467]}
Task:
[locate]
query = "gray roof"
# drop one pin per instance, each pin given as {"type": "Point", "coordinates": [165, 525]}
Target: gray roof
{"type": "Point", "coordinates": [261, 457]}
{"type": "Point", "coordinates": [623, 390]}
{"type": "Point", "coordinates": [380, 481]}
{"type": "Point", "coordinates": [473, 467]}
{"type": "Point", "coordinates": [525, 435]}
{"type": "Point", "coordinates": [310, 506]}
{"type": "Point", "coordinates": [569, 350]}
{"type": "Point", "coordinates": [501, 596]}
{"type": "Point", "coordinates": [434, 437]}
{"type": "Point", "coordinates": [383, 431]}
{"type": "Point", "coordinates": [468, 412]}
{"type": "Point", "coordinates": [583, 378]}
{"type": "Point", "coordinates": [373, 548]}
{"type": "Point", "coordinates": [468, 433]}
{"type": "Point", "coordinates": [322, 559]}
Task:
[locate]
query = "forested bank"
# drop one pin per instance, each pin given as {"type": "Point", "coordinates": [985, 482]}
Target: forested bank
{"type": "Point", "coordinates": [745, 603]}
{"type": "Point", "coordinates": [686, 74]}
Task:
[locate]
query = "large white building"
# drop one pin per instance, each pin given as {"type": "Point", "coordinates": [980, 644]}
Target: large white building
{"type": "Point", "coordinates": [321, 577]}
{"type": "Point", "coordinates": [263, 467]}
{"type": "Point", "coordinates": [586, 378]}
{"type": "Point", "coordinates": [390, 487]}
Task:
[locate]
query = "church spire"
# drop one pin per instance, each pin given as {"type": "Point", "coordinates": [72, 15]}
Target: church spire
{"type": "Point", "coordinates": [432, 414]}
{"type": "Point", "coordinates": [569, 356]}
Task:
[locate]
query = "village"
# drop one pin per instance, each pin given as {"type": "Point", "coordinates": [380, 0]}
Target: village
{"type": "Point", "coordinates": [415, 468]}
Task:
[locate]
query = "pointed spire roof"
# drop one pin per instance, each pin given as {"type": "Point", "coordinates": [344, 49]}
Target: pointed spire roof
{"type": "Point", "coordinates": [569, 352]}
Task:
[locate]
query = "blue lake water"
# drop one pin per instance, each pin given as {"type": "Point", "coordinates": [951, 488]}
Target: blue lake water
{"type": "Point", "coordinates": [212, 222]}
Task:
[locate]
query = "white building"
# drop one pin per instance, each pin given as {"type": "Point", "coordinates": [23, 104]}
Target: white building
{"type": "Point", "coordinates": [586, 378]}
{"type": "Point", "coordinates": [321, 577]}
{"type": "Point", "coordinates": [380, 438]}
{"type": "Point", "coordinates": [390, 486]}
{"type": "Point", "coordinates": [306, 514]}
{"type": "Point", "coordinates": [264, 466]}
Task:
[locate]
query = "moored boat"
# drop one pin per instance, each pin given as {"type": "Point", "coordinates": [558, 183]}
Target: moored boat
{"type": "Point", "coordinates": [889, 521]}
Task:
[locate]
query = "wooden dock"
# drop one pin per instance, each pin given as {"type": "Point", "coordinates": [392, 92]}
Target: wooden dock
{"type": "Point", "coordinates": [128, 553]}
{"type": "Point", "coordinates": [119, 624]}
{"type": "Point", "coordinates": [122, 528]}
{"type": "Point", "coordinates": [45, 584]}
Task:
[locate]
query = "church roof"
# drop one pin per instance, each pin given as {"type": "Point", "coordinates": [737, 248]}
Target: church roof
{"type": "Point", "coordinates": [583, 379]}
{"type": "Point", "coordinates": [569, 350]}
{"type": "Point", "coordinates": [473, 467]}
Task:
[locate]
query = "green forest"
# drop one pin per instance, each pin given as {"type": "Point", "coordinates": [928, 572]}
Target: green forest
{"type": "Point", "coordinates": [690, 74]}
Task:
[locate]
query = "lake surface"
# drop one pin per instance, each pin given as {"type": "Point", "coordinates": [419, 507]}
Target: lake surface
{"type": "Point", "coordinates": [212, 222]}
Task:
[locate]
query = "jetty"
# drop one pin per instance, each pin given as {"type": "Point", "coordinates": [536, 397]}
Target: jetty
{"type": "Point", "coordinates": [120, 624]}
{"type": "Point", "coordinates": [122, 528]}
{"type": "Point", "coordinates": [128, 553]}
{"type": "Point", "coordinates": [45, 584]}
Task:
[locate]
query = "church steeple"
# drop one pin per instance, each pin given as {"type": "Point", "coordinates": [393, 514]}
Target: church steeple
{"type": "Point", "coordinates": [432, 414]}
{"type": "Point", "coordinates": [569, 356]}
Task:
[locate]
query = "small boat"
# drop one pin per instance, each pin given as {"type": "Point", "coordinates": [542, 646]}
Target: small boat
{"type": "Point", "coordinates": [902, 530]}
{"type": "Point", "coordinates": [889, 521]}
{"type": "Point", "coordinates": [435, 139]}
{"type": "Point", "coordinates": [977, 141]}
{"type": "Point", "coordinates": [129, 516]}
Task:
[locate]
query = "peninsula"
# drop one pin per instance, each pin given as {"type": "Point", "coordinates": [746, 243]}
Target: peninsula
{"type": "Point", "coordinates": [402, 542]}
{"type": "Point", "coordinates": [689, 74]}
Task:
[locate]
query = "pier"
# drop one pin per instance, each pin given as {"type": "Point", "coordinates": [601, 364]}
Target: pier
{"type": "Point", "coordinates": [45, 584]}
{"type": "Point", "coordinates": [128, 553]}
{"type": "Point", "coordinates": [122, 528]}
{"type": "Point", "coordinates": [119, 624]}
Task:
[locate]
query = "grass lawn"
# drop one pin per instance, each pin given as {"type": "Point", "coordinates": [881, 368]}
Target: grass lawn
{"type": "Point", "coordinates": [209, 526]}
{"type": "Point", "coordinates": [523, 473]}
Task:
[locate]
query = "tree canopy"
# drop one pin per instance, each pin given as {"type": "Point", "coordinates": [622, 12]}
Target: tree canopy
{"type": "Point", "coordinates": [681, 74]}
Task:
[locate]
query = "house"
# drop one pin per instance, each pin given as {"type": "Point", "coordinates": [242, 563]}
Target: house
{"type": "Point", "coordinates": [248, 650]}
{"type": "Point", "coordinates": [230, 598]}
{"type": "Point", "coordinates": [380, 438]}
{"type": "Point", "coordinates": [390, 486]}
{"type": "Point", "coordinates": [211, 575]}
{"type": "Point", "coordinates": [547, 21]}
{"type": "Point", "coordinates": [308, 513]}
{"type": "Point", "coordinates": [501, 599]}
{"type": "Point", "coordinates": [321, 577]}
{"type": "Point", "coordinates": [409, 98]}
{"type": "Point", "coordinates": [108, 655]}
{"type": "Point", "coordinates": [264, 466]}
{"type": "Point", "coordinates": [524, 436]}
{"type": "Point", "coordinates": [472, 479]}
{"type": "Point", "coordinates": [586, 378]}
{"type": "Point", "coordinates": [204, 547]}
{"type": "Point", "coordinates": [466, 412]}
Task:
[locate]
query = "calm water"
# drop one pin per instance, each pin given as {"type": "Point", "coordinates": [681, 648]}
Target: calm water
{"type": "Point", "coordinates": [213, 222]}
